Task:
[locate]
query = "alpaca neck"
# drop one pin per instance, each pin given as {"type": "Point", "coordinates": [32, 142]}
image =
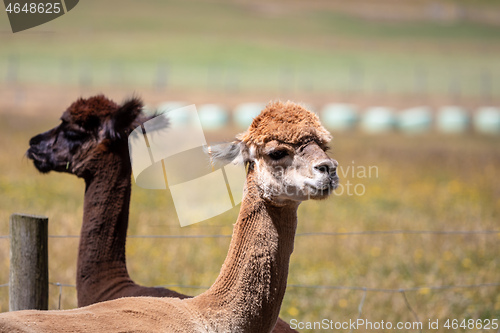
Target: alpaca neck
{"type": "Point", "coordinates": [250, 287]}
{"type": "Point", "coordinates": [101, 259]}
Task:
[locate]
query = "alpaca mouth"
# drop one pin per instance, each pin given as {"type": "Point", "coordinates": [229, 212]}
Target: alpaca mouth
{"type": "Point", "coordinates": [41, 163]}
{"type": "Point", "coordinates": [326, 184]}
{"type": "Point", "coordinates": [335, 182]}
{"type": "Point", "coordinates": [323, 189]}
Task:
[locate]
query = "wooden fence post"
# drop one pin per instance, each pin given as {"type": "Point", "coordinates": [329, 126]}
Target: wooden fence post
{"type": "Point", "coordinates": [29, 273]}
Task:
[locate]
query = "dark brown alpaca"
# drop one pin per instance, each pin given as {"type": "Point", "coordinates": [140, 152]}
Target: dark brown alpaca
{"type": "Point", "coordinates": [91, 143]}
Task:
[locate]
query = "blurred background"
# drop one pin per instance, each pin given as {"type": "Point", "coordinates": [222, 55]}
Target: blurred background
{"type": "Point", "coordinates": [408, 88]}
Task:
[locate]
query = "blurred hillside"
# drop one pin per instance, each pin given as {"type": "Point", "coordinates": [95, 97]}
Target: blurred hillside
{"type": "Point", "coordinates": [367, 52]}
{"type": "Point", "coordinates": [448, 11]}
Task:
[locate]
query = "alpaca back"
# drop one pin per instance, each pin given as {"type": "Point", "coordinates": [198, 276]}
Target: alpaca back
{"type": "Point", "coordinates": [135, 314]}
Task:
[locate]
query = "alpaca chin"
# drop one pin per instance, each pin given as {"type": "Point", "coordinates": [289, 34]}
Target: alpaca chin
{"type": "Point", "coordinates": [323, 189]}
{"type": "Point", "coordinates": [41, 164]}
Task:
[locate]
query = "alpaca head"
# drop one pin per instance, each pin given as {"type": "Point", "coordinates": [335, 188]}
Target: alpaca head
{"type": "Point", "coordinates": [285, 151]}
{"type": "Point", "coordinates": [89, 129]}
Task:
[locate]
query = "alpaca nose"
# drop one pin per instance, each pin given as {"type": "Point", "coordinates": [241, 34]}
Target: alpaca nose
{"type": "Point", "coordinates": [326, 166]}
{"type": "Point", "coordinates": [36, 140]}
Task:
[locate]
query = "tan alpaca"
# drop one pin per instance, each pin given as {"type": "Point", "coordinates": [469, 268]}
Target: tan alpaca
{"type": "Point", "coordinates": [91, 143]}
{"type": "Point", "coordinates": [284, 151]}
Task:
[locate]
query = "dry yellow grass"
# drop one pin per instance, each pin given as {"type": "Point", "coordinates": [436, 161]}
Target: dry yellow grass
{"type": "Point", "coordinates": [436, 183]}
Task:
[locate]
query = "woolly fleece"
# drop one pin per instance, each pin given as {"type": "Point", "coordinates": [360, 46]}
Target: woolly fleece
{"type": "Point", "coordinates": [285, 122]}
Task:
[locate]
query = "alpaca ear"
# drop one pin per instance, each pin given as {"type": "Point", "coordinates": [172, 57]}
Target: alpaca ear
{"type": "Point", "coordinates": [125, 119]}
{"type": "Point", "coordinates": [222, 154]}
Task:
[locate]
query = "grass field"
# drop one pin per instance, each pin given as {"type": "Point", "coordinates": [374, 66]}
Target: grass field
{"type": "Point", "coordinates": [233, 45]}
{"type": "Point", "coordinates": [236, 51]}
{"type": "Point", "coordinates": [410, 183]}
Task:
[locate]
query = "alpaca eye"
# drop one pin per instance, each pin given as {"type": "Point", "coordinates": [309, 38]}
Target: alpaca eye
{"type": "Point", "coordinates": [73, 135]}
{"type": "Point", "coordinates": [278, 154]}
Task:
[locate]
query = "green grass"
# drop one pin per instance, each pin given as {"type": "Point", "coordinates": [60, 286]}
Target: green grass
{"type": "Point", "coordinates": [432, 182]}
{"type": "Point", "coordinates": [217, 44]}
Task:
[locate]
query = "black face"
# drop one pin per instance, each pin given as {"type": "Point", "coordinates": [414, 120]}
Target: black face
{"type": "Point", "coordinates": [55, 150]}
{"type": "Point", "coordinates": [89, 128]}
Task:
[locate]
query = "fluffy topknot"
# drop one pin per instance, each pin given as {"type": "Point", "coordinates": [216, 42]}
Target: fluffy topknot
{"type": "Point", "coordinates": [86, 111]}
{"type": "Point", "coordinates": [285, 122]}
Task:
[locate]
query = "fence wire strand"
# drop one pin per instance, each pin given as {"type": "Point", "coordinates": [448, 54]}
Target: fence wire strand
{"type": "Point", "coordinates": [410, 308]}
{"type": "Point", "coordinates": [311, 234]}
{"type": "Point", "coordinates": [365, 291]}
{"type": "Point", "coordinates": [60, 294]}
{"type": "Point", "coordinates": [360, 307]}
{"type": "Point", "coordinates": [353, 288]}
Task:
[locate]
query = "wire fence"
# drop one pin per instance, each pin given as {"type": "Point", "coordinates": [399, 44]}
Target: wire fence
{"type": "Point", "coordinates": [311, 234]}
{"type": "Point", "coordinates": [365, 290]}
